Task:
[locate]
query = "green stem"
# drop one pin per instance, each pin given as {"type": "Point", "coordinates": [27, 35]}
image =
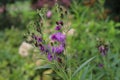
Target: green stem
{"type": "Point", "coordinates": [107, 67]}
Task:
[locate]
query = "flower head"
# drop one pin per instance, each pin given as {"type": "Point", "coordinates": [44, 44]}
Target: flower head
{"type": "Point", "coordinates": [37, 38]}
{"type": "Point", "coordinates": [49, 14]}
{"type": "Point", "coordinates": [58, 27]}
{"type": "Point", "coordinates": [100, 65]}
{"type": "Point", "coordinates": [50, 57]}
{"type": "Point", "coordinates": [103, 49]}
{"type": "Point", "coordinates": [24, 49]}
{"type": "Point", "coordinates": [59, 22]}
{"type": "Point", "coordinates": [42, 48]}
{"type": "Point", "coordinates": [58, 49]}
{"type": "Point", "coordinates": [58, 37]}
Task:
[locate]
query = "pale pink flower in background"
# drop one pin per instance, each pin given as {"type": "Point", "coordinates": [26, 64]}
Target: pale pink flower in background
{"type": "Point", "coordinates": [71, 32]}
{"type": "Point", "coordinates": [2, 9]}
{"type": "Point", "coordinates": [49, 14]}
{"type": "Point", "coordinates": [24, 49]}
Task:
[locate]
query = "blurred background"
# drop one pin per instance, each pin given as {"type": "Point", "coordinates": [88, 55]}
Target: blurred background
{"type": "Point", "coordinates": [89, 19]}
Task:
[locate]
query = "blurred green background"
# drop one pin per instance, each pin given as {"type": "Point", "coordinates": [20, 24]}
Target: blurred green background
{"type": "Point", "coordinates": [90, 20]}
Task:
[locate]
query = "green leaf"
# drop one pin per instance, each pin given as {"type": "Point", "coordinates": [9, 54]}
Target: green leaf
{"type": "Point", "coordinates": [84, 73]}
{"type": "Point", "coordinates": [91, 78]}
{"type": "Point", "coordinates": [43, 67]}
{"type": "Point", "coordinates": [81, 66]}
{"type": "Point", "coordinates": [100, 76]}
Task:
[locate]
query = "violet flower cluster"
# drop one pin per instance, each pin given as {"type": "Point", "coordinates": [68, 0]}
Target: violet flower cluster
{"type": "Point", "coordinates": [103, 49]}
{"type": "Point", "coordinates": [55, 49]}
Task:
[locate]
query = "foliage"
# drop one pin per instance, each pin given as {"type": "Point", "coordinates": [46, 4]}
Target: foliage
{"type": "Point", "coordinates": [55, 48]}
{"type": "Point", "coordinates": [16, 15]}
{"type": "Point", "coordinates": [90, 27]}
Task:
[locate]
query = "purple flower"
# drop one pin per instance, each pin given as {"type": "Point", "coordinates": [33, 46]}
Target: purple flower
{"type": "Point", "coordinates": [34, 37]}
{"type": "Point", "coordinates": [58, 27]}
{"type": "Point", "coordinates": [59, 60]}
{"type": "Point", "coordinates": [58, 37]}
{"type": "Point", "coordinates": [103, 49]}
{"type": "Point", "coordinates": [58, 49]}
{"type": "Point", "coordinates": [38, 39]}
{"type": "Point", "coordinates": [59, 22]}
{"type": "Point", "coordinates": [100, 65]}
{"type": "Point", "coordinates": [63, 44]}
{"type": "Point", "coordinates": [49, 14]}
{"type": "Point", "coordinates": [42, 48]}
{"type": "Point", "coordinates": [47, 48]}
{"type": "Point", "coordinates": [50, 57]}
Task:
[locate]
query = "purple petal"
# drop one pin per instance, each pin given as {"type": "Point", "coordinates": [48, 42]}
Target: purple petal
{"type": "Point", "coordinates": [58, 27]}
{"type": "Point", "coordinates": [39, 39]}
{"type": "Point", "coordinates": [58, 37]}
{"type": "Point", "coordinates": [42, 48]}
{"type": "Point", "coordinates": [50, 57]}
{"type": "Point", "coordinates": [58, 50]}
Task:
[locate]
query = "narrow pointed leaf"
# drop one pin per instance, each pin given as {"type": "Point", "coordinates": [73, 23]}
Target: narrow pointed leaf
{"type": "Point", "coordinates": [43, 67]}
{"type": "Point", "coordinates": [81, 66]}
